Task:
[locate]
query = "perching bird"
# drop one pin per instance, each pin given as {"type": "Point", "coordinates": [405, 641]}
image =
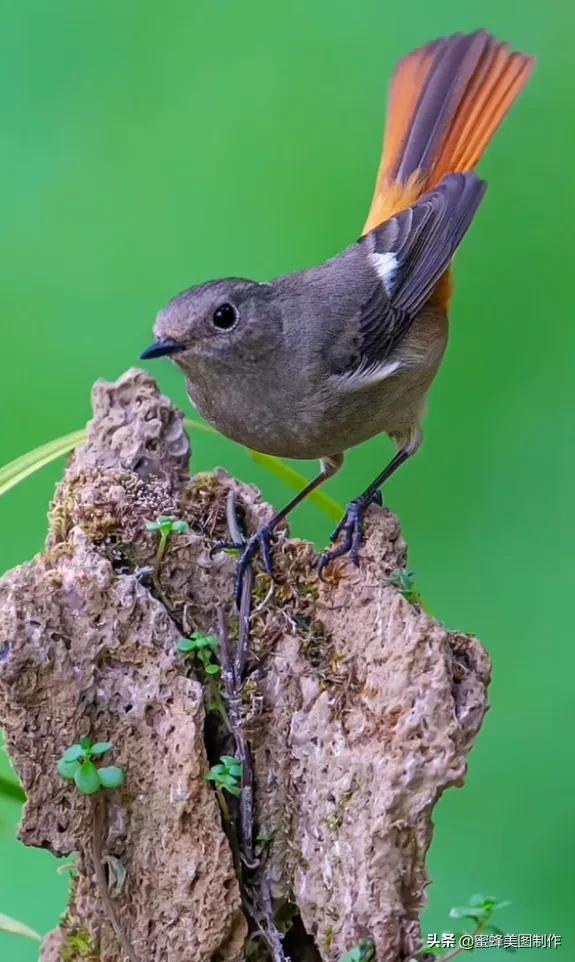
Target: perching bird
{"type": "Point", "coordinates": [313, 363]}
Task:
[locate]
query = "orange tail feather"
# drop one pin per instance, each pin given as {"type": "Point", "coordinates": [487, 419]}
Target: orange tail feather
{"type": "Point", "coordinates": [447, 102]}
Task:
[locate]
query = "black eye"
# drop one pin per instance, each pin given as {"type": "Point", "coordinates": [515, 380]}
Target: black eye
{"type": "Point", "coordinates": [225, 317]}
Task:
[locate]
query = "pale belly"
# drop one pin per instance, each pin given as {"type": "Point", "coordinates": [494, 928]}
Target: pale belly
{"type": "Point", "coordinates": [316, 427]}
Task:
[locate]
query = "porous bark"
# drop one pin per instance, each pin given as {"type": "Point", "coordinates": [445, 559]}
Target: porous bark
{"type": "Point", "coordinates": [359, 708]}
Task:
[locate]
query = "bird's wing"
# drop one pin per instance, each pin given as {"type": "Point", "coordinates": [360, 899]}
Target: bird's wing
{"type": "Point", "coordinates": [408, 255]}
{"type": "Point", "coordinates": [411, 251]}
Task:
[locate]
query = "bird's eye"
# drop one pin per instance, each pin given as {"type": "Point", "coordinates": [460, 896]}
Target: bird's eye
{"type": "Point", "coordinates": [225, 317]}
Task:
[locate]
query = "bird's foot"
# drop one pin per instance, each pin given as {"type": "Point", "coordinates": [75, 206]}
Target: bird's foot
{"type": "Point", "coordinates": [259, 542]}
{"type": "Point", "coordinates": [351, 528]}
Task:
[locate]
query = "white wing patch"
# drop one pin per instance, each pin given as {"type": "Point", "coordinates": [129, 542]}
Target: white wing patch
{"type": "Point", "coordinates": [386, 266]}
{"type": "Point", "coordinates": [367, 374]}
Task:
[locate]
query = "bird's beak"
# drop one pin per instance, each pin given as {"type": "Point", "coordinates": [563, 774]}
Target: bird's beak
{"type": "Point", "coordinates": [163, 348]}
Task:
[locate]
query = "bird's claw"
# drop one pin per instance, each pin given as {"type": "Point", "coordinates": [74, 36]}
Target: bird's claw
{"type": "Point", "coordinates": [259, 542]}
{"type": "Point", "coordinates": [351, 527]}
{"type": "Point", "coordinates": [226, 544]}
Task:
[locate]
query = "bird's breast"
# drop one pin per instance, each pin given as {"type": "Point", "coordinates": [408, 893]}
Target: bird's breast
{"type": "Point", "coordinates": [299, 412]}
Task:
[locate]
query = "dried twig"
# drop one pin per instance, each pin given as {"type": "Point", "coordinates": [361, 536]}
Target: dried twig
{"type": "Point", "coordinates": [238, 537]}
{"type": "Point", "coordinates": [274, 935]}
{"type": "Point", "coordinates": [98, 822]}
{"type": "Point", "coordinates": [233, 679]}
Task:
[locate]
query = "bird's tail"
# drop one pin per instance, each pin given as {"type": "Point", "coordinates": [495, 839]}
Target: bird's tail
{"type": "Point", "coordinates": [447, 101]}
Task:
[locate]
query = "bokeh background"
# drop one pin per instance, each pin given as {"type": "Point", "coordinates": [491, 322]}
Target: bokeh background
{"type": "Point", "coordinates": [145, 147]}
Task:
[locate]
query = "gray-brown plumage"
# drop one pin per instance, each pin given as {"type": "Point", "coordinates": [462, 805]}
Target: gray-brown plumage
{"type": "Point", "coordinates": [314, 363]}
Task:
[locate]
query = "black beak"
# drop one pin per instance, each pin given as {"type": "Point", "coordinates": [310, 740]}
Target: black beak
{"type": "Point", "coordinates": [163, 348]}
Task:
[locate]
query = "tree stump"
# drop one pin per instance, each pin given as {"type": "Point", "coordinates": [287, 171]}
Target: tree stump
{"type": "Point", "coordinates": [359, 711]}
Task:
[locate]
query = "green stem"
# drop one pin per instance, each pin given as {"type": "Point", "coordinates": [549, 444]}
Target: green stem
{"type": "Point", "coordinates": [224, 805]}
{"type": "Point", "coordinates": [162, 547]}
{"type": "Point", "coordinates": [231, 831]}
{"type": "Point", "coordinates": [216, 697]}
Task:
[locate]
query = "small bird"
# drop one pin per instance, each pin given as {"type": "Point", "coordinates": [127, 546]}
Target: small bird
{"type": "Point", "coordinates": [314, 363]}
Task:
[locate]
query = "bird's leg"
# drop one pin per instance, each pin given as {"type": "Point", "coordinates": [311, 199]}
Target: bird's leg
{"type": "Point", "coordinates": [261, 540]}
{"type": "Point", "coordinates": [351, 525]}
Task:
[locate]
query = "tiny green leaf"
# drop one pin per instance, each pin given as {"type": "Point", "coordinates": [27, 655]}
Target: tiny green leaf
{"type": "Point", "coordinates": [213, 670]}
{"type": "Point", "coordinates": [228, 760]}
{"type": "Point", "coordinates": [216, 771]}
{"type": "Point", "coordinates": [205, 641]}
{"type": "Point", "coordinates": [467, 912]}
{"type": "Point", "coordinates": [233, 552]}
{"type": "Point", "coordinates": [364, 952]}
{"type": "Point", "coordinates": [86, 744]}
{"type": "Point", "coordinates": [87, 779]}
{"type": "Point", "coordinates": [76, 753]}
{"type": "Point", "coordinates": [111, 777]}
{"type": "Point", "coordinates": [226, 780]}
{"type": "Point", "coordinates": [367, 950]}
{"type": "Point", "coordinates": [101, 748]}
{"type": "Point", "coordinates": [152, 526]}
{"type": "Point", "coordinates": [233, 790]}
{"type": "Point", "coordinates": [226, 774]}
{"type": "Point", "coordinates": [67, 769]}
{"type": "Point", "coordinates": [180, 527]}
{"type": "Point", "coordinates": [186, 646]}
{"type": "Point", "coordinates": [478, 899]}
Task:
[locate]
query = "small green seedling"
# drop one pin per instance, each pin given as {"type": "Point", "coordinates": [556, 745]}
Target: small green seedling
{"type": "Point", "coordinates": [479, 911]}
{"type": "Point", "coordinates": [204, 648]}
{"type": "Point", "coordinates": [78, 765]}
{"type": "Point", "coordinates": [479, 908]}
{"type": "Point", "coordinates": [364, 952]}
{"type": "Point", "coordinates": [166, 526]}
{"type": "Point", "coordinates": [227, 775]}
{"type": "Point", "coordinates": [405, 581]}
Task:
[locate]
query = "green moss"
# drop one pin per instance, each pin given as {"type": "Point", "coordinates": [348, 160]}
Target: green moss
{"type": "Point", "coordinates": [335, 818]}
{"type": "Point", "coordinates": [79, 947]}
{"type": "Point", "coordinates": [69, 509]}
{"type": "Point", "coordinates": [329, 939]}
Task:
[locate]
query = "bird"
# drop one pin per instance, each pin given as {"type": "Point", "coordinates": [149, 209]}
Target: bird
{"type": "Point", "coordinates": [313, 363]}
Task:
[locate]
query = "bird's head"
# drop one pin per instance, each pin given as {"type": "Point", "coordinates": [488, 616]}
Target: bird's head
{"type": "Point", "coordinates": [218, 321]}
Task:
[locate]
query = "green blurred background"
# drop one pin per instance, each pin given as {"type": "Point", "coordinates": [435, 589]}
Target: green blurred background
{"type": "Point", "coordinates": [146, 147]}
